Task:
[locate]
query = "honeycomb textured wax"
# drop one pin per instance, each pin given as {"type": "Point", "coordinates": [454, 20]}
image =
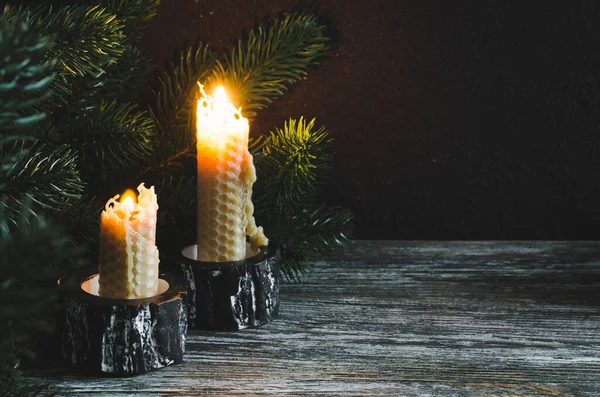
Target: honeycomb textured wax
{"type": "Point", "coordinates": [128, 253]}
{"type": "Point", "coordinates": [225, 177]}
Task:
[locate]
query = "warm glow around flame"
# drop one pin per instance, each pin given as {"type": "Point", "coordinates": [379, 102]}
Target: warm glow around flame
{"type": "Point", "coordinates": [129, 195]}
{"type": "Point", "coordinates": [221, 103]}
{"type": "Point", "coordinates": [220, 97]}
{"type": "Point", "coordinates": [128, 200]}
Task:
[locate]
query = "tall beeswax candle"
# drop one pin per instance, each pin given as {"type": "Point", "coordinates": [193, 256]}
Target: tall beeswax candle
{"type": "Point", "coordinates": [225, 177]}
{"type": "Point", "coordinates": [128, 253]}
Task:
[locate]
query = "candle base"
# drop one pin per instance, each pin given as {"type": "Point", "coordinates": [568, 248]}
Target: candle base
{"type": "Point", "coordinates": [121, 337]}
{"type": "Point", "coordinates": [226, 296]}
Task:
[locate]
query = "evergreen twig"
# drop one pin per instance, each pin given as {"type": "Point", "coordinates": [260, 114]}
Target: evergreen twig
{"type": "Point", "coordinates": [82, 222]}
{"type": "Point", "coordinates": [123, 81]}
{"type": "Point", "coordinates": [308, 233]}
{"type": "Point", "coordinates": [84, 42]}
{"type": "Point", "coordinates": [25, 75]}
{"type": "Point", "coordinates": [176, 210]}
{"type": "Point", "coordinates": [181, 164]}
{"type": "Point", "coordinates": [86, 39]}
{"type": "Point", "coordinates": [108, 136]}
{"type": "Point", "coordinates": [134, 14]}
{"type": "Point", "coordinates": [174, 109]}
{"type": "Point", "coordinates": [27, 291]}
{"type": "Point", "coordinates": [41, 173]}
{"type": "Point", "coordinates": [259, 69]}
{"type": "Point", "coordinates": [290, 165]}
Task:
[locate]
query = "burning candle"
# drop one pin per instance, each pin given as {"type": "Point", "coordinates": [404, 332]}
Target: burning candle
{"type": "Point", "coordinates": [225, 177]}
{"type": "Point", "coordinates": [128, 253]}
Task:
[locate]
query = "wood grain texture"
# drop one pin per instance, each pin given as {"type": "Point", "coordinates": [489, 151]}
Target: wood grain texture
{"type": "Point", "coordinates": [404, 319]}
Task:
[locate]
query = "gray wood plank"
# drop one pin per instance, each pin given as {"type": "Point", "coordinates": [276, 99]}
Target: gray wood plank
{"type": "Point", "coordinates": [385, 318]}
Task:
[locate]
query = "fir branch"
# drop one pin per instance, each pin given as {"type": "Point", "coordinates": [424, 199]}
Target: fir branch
{"type": "Point", "coordinates": [84, 42]}
{"type": "Point", "coordinates": [127, 78]}
{"type": "Point", "coordinates": [28, 291]}
{"type": "Point", "coordinates": [256, 144]}
{"type": "Point", "coordinates": [11, 384]}
{"type": "Point", "coordinates": [259, 69]}
{"type": "Point", "coordinates": [123, 81]}
{"type": "Point", "coordinates": [181, 164]}
{"type": "Point", "coordinates": [175, 105]}
{"type": "Point", "coordinates": [307, 234]}
{"type": "Point", "coordinates": [25, 75]}
{"type": "Point", "coordinates": [294, 262]}
{"type": "Point", "coordinates": [86, 39]}
{"type": "Point", "coordinates": [290, 165]}
{"type": "Point", "coordinates": [109, 136]}
{"type": "Point", "coordinates": [323, 228]}
{"type": "Point", "coordinates": [41, 173]}
{"type": "Point", "coordinates": [43, 252]}
{"type": "Point", "coordinates": [82, 222]}
{"type": "Point", "coordinates": [176, 210]}
{"type": "Point", "coordinates": [134, 14]}
{"type": "Point", "coordinates": [12, 148]}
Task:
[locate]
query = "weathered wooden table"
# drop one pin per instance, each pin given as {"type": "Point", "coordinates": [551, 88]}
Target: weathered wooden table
{"type": "Point", "coordinates": [406, 319]}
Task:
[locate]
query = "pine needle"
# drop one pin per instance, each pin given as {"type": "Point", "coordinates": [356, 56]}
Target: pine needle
{"type": "Point", "coordinates": [109, 137]}
{"type": "Point", "coordinates": [28, 291]}
{"type": "Point", "coordinates": [260, 68]}
{"type": "Point", "coordinates": [290, 165]}
{"type": "Point", "coordinates": [25, 76]}
{"type": "Point", "coordinates": [134, 14]}
{"type": "Point", "coordinates": [44, 174]}
{"type": "Point", "coordinates": [175, 105]}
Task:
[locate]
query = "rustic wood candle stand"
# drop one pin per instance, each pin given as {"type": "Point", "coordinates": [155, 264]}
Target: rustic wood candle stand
{"type": "Point", "coordinates": [227, 296]}
{"type": "Point", "coordinates": [121, 337]}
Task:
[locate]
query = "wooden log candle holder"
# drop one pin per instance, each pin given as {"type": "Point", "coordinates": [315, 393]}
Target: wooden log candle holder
{"type": "Point", "coordinates": [121, 337]}
{"type": "Point", "coordinates": [228, 296]}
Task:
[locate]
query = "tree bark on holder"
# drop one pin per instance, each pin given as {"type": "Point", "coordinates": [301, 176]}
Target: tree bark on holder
{"type": "Point", "coordinates": [226, 296]}
{"type": "Point", "coordinates": [122, 337]}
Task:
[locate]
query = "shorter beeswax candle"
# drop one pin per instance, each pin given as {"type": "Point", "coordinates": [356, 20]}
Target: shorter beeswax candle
{"type": "Point", "coordinates": [128, 253]}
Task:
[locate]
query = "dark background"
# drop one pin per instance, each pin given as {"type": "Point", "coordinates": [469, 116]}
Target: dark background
{"type": "Point", "coordinates": [451, 119]}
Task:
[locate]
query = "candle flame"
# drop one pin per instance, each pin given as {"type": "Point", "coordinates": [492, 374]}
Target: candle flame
{"type": "Point", "coordinates": [128, 200]}
{"type": "Point", "coordinates": [221, 102]}
{"type": "Point", "coordinates": [129, 194]}
{"type": "Point", "coordinates": [220, 96]}
{"type": "Point", "coordinates": [128, 203]}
